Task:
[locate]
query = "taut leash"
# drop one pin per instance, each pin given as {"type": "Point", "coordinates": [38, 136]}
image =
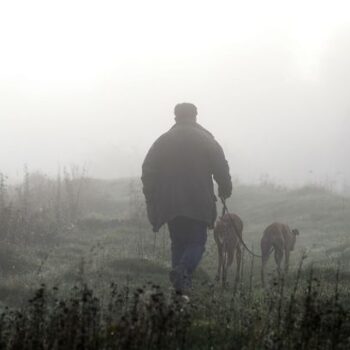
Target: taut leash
{"type": "Point", "coordinates": [225, 210]}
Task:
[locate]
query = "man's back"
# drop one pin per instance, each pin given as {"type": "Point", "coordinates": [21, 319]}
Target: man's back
{"type": "Point", "coordinates": [184, 153]}
{"type": "Point", "coordinates": [177, 175]}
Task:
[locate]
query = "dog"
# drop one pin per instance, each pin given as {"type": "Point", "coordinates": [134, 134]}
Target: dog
{"type": "Point", "coordinates": [226, 232]}
{"type": "Point", "coordinates": [278, 238]}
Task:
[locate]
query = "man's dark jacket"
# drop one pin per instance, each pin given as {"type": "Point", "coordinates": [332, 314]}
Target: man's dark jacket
{"type": "Point", "coordinates": [177, 175]}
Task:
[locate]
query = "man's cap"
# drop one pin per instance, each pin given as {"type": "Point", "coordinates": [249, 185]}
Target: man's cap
{"type": "Point", "coordinates": [185, 111]}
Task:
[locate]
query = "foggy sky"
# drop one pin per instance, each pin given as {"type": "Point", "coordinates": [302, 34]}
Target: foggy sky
{"type": "Point", "coordinates": [94, 83]}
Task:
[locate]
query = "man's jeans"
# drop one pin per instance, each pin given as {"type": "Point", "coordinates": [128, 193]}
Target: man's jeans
{"type": "Point", "coordinates": [188, 239]}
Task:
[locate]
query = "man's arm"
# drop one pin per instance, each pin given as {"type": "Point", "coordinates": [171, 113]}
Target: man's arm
{"type": "Point", "coordinates": [149, 173]}
{"type": "Point", "coordinates": [149, 180]}
{"type": "Point", "coordinates": [221, 170]}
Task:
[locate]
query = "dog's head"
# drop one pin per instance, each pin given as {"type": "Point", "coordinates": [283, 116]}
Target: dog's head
{"type": "Point", "coordinates": [296, 232]}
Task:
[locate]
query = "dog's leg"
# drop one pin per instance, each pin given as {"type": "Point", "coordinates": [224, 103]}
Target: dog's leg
{"type": "Point", "coordinates": [278, 258]}
{"type": "Point", "coordinates": [224, 267]}
{"type": "Point", "coordinates": [219, 275]}
{"type": "Point", "coordinates": [224, 263]}
{"type": "Point", "coordinates": [286, 261]}
{"type": "Point", "coordinates": [266, 250]}
{"type": "Point", "coordinates": [238, 261]}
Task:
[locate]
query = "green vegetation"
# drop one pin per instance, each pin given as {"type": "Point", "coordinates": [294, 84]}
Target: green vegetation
{"type": "Point", "coordinates": [81, 269]}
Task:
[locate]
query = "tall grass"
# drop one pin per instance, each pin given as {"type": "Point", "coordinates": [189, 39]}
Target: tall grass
{"type": "Point", "coordinates": [302, 317]}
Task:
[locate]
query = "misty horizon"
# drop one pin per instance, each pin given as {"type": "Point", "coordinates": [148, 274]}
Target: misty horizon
{"type": "Point", "coordinates": [272, 90]}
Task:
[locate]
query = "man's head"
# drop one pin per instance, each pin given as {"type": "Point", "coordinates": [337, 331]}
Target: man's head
{"type": "Point", "coordinates": [185, 112]}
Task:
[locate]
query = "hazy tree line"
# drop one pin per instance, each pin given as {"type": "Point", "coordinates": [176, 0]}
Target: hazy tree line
{"type": "Point", "coordinates": [39, 206]}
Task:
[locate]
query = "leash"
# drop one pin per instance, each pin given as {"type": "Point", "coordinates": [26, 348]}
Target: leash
{"type": "Point", "coordinates": [225, 210]}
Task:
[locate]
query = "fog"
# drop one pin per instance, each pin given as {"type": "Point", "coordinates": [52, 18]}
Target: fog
{"type": "Point", "coordinates": [94, 83]}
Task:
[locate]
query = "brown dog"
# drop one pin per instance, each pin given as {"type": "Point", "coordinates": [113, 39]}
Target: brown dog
{"type": "Point", "coordinates": [226, 230]}
{"type": "Point", "coordinates": [280, 238]}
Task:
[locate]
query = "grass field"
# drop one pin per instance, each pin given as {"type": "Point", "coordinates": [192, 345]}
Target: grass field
{"type": "Point", "coordinates": [102, 281]}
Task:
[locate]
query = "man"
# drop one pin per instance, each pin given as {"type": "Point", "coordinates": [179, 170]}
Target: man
{"type": "Point", "coordinates": [178, 186]}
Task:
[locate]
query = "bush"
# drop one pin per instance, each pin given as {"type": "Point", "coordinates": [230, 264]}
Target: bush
{"type": "Point", "coordinates": [303, 318]}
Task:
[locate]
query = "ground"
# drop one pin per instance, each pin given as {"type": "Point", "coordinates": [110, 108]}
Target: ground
{"type": "Point", "coordinates": [128, 254]}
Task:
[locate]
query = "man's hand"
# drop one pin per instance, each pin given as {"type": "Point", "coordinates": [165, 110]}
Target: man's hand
{"type": "Point", "coordinates": [224, 193]}
{"type": "Point", "coordinates": [150, 212]}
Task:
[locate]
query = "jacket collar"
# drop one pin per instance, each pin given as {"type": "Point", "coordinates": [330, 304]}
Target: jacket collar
{"type": "Point", "coordinates": [189, 124]}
